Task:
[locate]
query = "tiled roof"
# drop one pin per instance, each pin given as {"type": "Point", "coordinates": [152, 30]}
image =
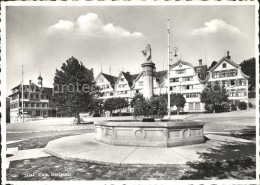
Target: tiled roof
{"type": "Point", "coordinates": [203, 69]}
{"type": "Point", "coordinates": [110, 78]}
{"type": "Point", "coordinates": [227, 60]}
{"type": "Point", "coordinates": [159, 75]}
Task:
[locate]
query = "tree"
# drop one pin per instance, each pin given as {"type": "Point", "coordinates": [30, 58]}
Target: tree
{"type": "Point", "coordinates": [214, 94]}
{"type": "Point", "coordinates": [111, 104]}
{"type": "Point", "coordinates": [155, 107]}
{"type": "Point", "coordinates": [212, 64]}
{"type": "Point", "coordinates": [176, 100]}
{"type": "Point", "coordinates": [74, 90]}
{"type": "Point", "coordinates": [248, 68]}
{"type": "Point", "coordinates": [136, 98]}
{"type": "Point", "coordinates": [97, 106]}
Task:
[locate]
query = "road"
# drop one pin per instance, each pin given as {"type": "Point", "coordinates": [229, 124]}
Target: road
{"type": "Point", "coordinates": [219, 122]}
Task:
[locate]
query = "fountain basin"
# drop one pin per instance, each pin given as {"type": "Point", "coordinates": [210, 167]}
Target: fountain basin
{"type": "Point", "coordinates": [155, 134]}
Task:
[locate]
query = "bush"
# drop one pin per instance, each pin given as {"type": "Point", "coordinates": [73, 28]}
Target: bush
{"type": "Point", "coordinates": [226, 107]}
{"type": "Point", "coordinates": [242, 106]}
{"type": "Point", "coordinates": [156, 107]}
{"type": "Point", "coordinates": [218, 108]}
{"type": "Point", "coordinates": [233, 107]}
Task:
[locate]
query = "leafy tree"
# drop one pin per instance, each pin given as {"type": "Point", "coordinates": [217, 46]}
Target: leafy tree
{"type": "Point", "coordinates": [156, 107]}
{"type": "Point", "coordinates": [176, 100]}
{"type": "Point", "coordinates": [97, 105]}
{"type": "Point", "coordinates": [214, 94]}
{"type": "Point", "coordinates": [136, 98]}
{"type": "Point", "coordinates": [242, 105]}
{"type": "Point", "coordinates": [248, 68]}
{"type": "Point", "coordinates": [111, 104]}
{"type": "Point", "coordinates": [73, 92]}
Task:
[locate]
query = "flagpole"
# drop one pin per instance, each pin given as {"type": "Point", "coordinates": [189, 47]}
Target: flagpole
{"type": "Point", "coordinates": [169, 103]}
{"type": "Point", "coordinates": [22, 97]}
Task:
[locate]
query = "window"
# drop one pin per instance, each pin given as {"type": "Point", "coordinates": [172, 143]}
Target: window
{"type": "Point", "coordinates": [224, 74]}
{"type": "Point", "coordinates": [183, 71]}
{"type": "Point", "coordinates": [241, 92]}
{"type": "Point", "coordinates": [37, 96]}
{"type": "Point", "coordinates": [233, 72]}
{"type": "Point", "coordinates": [241, 82]}
{"type": "Point", "coordinates": [140, 83]}
{"type": "Point", "coordinates": [107, 86]}
{"type": "Point", "coordinates": [185, 79]}
{"type": "Point", "coordinates": [215, 75]}
{"type": "Point", "coordinates": [137, 91]}
{"type": "Point", "coordinates": [224, 65]}
{"type": "Point", "coordinates": [187, 87]}
{"type": "Point", "coordinates": [174, 79]}
{"type": "Point", "coordinates": [122, 79]}
{"type": "Point", "coordinates": [197, 106]}
{"type": "Point", "coordinates": [232, 93]}
{"type": "Point", "coordinates": [198, 70]}
{"type": "Point", "coordinates": [224, 83]}
{"type": "Point", "coordinates": [192, 95]}
{"type": "Point", "coordinates": [232, 82]}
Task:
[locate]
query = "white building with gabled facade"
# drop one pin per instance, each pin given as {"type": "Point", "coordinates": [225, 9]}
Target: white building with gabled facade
{"type": "Point", "coordinates": [184, 79]}
{"type": "Point", "coordinates": [106, 83]}
{"type": "Point", "coordinates": [228, 74]}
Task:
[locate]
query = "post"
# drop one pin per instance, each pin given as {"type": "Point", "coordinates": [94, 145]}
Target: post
{"type": "Point", "coordinates": [22, 97]}
{"type": "Point", "coordinates": [169, 103]}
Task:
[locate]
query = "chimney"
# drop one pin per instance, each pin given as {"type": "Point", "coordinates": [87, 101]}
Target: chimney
{"type": "Point", "coordinates": [30, 82]}
{"type": "Point", "coordinates": [228, 56]}
{"type": "Point", "coordinates": [128, 72]}
{"type": "Point", "coordinates": [200, 62]}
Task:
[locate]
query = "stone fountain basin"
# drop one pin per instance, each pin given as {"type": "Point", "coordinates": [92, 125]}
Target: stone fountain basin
{"type": "Point", "coordinates": [154, 134]}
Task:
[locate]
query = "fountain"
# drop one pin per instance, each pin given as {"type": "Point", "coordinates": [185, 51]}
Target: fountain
{"type": "Point", "coordinates": [147, 132]}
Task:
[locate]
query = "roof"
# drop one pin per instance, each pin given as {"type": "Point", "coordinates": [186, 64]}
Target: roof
{"type": "Point", "coordinates": [130, 78]}
{"type": "Point", "coordinates": [181, 62]}
{"type": "Point", "coordinates": [46, 90]}
{"type": "Point", "coordinates": [159, 75]}
{"type": "Point", "coordinates": [203, 69]}
{"type": "Point", "coordinates": [224, 59]}
{"type": "Point", "coordinates": [110, 78]}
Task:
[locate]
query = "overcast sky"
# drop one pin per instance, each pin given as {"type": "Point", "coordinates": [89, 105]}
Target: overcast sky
{"type": "Point", "coordinates": [42, 38]}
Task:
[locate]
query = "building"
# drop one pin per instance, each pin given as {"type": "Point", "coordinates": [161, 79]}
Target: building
{"type": "Point", "coordinates": [106, 83]}
{"type": "Point", "coordinates": [228, 74]}
{"type": "Point", "coordinates": [36, 101]}
{"type": "Point", "coordinates": [185, 79]}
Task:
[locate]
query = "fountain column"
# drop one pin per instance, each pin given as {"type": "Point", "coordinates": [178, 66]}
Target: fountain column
{"type": "Point", "coordinates": [148, 73]}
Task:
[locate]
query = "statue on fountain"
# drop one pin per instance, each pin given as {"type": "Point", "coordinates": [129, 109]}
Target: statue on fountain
{"type": "Point", "coordinates": [147, 53]}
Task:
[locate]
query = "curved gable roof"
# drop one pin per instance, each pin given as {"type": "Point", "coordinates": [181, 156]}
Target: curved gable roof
{"type": "Point", "coordinates": [224, 59]}
{"type": "Point", "coordinates": [181, 62]}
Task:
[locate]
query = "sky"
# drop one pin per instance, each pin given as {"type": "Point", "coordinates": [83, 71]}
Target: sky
{"type": "Point", "coordinates": [41, 38]}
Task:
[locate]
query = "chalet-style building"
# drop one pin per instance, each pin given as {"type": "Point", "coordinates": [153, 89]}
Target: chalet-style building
{"type": "Point", "coordinates": [228, 74]}
{"type": "Point", "coordinates": [36, 101]}
{"type": "Point", "coordinates": [106, 83]}
{"type": "Point", "coordinates": [185, 79]}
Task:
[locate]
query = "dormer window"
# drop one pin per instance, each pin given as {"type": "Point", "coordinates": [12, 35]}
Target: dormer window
{"type": "Point", "coordinates": [224, 65]}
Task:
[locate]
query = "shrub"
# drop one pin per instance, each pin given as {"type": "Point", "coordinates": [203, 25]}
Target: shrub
{"type": "Point", "coordinates": [156, 107]}
{"type": "Point", "coordinates": [218, 108]}
{"type": "Point", "coordinates": [242, 106]}
{"type": "Point", "coordinates": [233, 107]}
{"type": "Point", "coordinates": [226, 107]}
